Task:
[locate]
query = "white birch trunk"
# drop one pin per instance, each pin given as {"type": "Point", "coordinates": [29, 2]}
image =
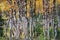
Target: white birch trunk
{"type": "Point", "coordinates": [30, 25]}
{"type": "Point", "coordinates": [25, 28]}
{"type": "Point", "coordinates": [46, 19]}
{"type": "Point", "coordinates": [11, 25]}
{"type": "Point", "coordinates": [54, 16]}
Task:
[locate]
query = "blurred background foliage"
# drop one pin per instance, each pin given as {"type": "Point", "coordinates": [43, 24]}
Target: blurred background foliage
{"type": "Point", "coordinates": [5, 6]}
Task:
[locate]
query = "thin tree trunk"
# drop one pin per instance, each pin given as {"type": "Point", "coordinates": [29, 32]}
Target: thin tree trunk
{"type": "Point", "coordinates": [31, 19]}
{"type": "Point", "coordinates": [24, 19]}
{"type": "Point", "coordinates": [16, 25]}
{"type": "Point", "coordinates": [30, 25]}
{"type": "Point", "coordinates": [46, 19]}
{"type": "Point", "coordinates": [7, 23]}
{"type": "Point", "coordinates": [10, 23]}
{"type": "Point", "coordinates": [54, 16]}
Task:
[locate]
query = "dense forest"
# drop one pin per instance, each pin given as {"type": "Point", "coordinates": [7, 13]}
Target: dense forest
{"type": "Point", "coordinates": [29, 19]}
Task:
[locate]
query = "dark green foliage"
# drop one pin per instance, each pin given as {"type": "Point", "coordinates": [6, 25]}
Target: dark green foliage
{"type": "Point", "coordinates": [1, 31]}
{"type": "Point", "coordinates": [1, 24]}
{"type": "Point", "coordinates": [41, 37]}
{"type": "Point", "coordinates": [1, 21]}
{"type": "Point", "coordinates": [38, 26]}
{"type": "Point", "coordinates": [56, 21]}
{"type": "Point", "coordinates": [2, 38]}
{"type": "Point", "coordinates": [51, 33]}
{"type": "Point", "coordinates": [37, 29]}
{"type": "Point", "coordinates": [58, 35]}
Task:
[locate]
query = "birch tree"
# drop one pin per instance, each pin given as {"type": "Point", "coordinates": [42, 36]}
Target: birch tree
{"type": "Point", "coordinates": [24, 19]}
{"type": "Point", "coordinates": [10, 23]}
{"type": "Point", "coordinates": [31, 19]}
{"type": "Point", "coordinates": [58, 15]}
{"type": "Point", "coordinates": [46, 19]}
{"type": "Point", "coordinates": [54, 16]}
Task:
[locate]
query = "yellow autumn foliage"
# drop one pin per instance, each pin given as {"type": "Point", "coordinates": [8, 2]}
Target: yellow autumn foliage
{"type": "Point", "coordinates": [4, 5]}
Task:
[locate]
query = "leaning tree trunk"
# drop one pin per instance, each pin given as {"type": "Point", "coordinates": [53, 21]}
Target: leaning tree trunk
{"type": "Point", "coordinates": [46, 19]}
